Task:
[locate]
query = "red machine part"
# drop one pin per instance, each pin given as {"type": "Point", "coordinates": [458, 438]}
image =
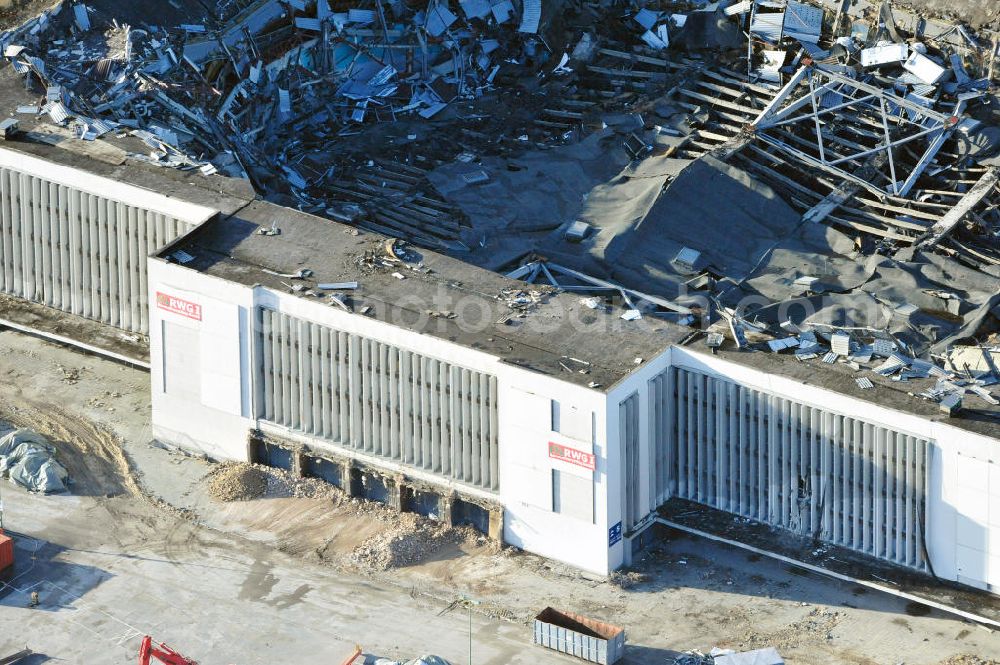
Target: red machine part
{"type": "Point", "coordinates": [6, 554]}
{"type": "Point", "coordinates": [163, 653]}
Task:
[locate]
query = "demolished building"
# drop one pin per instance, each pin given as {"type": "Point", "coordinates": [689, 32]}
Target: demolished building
{"type": "Point", "coordinates": [545, 269]}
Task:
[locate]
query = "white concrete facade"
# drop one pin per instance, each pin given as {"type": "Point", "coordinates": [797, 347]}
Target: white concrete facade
{"type": "Point", "coordinates": [210, 408]}
{"type": "Point", "coordinates": [79, 242]}
{"type": "Point", "coordinates": [963, 490]}
{"type": "Point", "coordinates": [202, 393]}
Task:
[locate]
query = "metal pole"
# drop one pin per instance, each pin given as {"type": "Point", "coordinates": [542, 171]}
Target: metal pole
{"type": "Point", "coordinates": [819, 126]}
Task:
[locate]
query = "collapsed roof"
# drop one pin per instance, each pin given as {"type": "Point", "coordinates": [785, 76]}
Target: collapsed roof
{"type": "Point", "coordinates": [838, 170]}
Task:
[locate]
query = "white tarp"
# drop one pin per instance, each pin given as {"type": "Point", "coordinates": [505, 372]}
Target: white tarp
{"type": "Point", "coordinates": [768, 656]}
{"type": "Point", "coordinates": [28, 459]}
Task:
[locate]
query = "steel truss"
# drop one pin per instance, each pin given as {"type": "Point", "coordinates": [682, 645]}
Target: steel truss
{"type": "Point", "coordinates": [568, 279]}
{"type": "Point", "coordinates": [810, 105]}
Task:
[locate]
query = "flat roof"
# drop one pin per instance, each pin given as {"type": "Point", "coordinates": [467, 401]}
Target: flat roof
{"type": "Point", "coordinates": [530, 326]}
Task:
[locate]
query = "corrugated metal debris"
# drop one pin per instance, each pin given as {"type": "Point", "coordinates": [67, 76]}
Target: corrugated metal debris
{"type": "Point", "coordinates": [271, 94]}
{"type": "Point", "coordinates": [962, 372]}
{"type": "Point", "coordinates": [412, 119]}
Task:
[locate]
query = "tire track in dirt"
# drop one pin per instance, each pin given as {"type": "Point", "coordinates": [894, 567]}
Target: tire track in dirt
{"type": "Point", "coordinates": [92, 454]}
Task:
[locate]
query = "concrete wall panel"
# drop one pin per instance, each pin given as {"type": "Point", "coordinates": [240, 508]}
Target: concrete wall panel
{"type": "Point", "coordinates": [436, 416]}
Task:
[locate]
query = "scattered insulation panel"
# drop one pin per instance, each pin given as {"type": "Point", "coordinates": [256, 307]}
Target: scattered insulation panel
{"type": "Point", "coordinates": [924, 68]}
{"type": "Point", "coordinates": [882, 55]}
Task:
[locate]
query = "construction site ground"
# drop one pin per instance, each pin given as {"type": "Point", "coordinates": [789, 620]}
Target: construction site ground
{"type": "Point", "coordinates": [141, 546]}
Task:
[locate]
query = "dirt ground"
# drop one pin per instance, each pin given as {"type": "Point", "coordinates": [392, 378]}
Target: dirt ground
{"type": "Point", "coordinates": [974, 12]}
{"type": "Point", "coordinates": [150, 504]}
{"type": "Point", "coordinates": [16, 12]}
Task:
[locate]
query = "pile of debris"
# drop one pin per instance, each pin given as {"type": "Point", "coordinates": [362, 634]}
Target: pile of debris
{"type": "Point", "coordinates": [871, 37]}
{"type": "Point", "coordinates": [241, 481]}
{"type": "Point", "coordinates": [408, 542]}
{"type": "Point", "coordinates": [277, 91]}
{"type": "Point", "coordinates": [626, 579]}
{"type": "Point", "coordinates": [237, 482]}
{"type": "Point", "coordinates": [970, 659]}
{"type": "Point", "coordinates": [964, 371]}
{"type": "Point", "coordinates": [28, 460]}
{"type": "Point", "coordinates": [717, 656]}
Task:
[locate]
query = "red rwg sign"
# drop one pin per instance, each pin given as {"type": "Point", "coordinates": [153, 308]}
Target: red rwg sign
{"type": "Point", "coordinates": [180, 306]}
{"type": "Point", "coordinates": [572, 455]}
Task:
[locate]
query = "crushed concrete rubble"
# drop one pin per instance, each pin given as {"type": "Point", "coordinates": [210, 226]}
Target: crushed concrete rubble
{"type": "Point", "coordinates": [240, 481]}
{"type": "Point", "coordinates": [408, 542]}
{"type": "Point", "coordinates": [626, 579]}
{"type": "Point", "coordinates": [29, 460]}
{"type": "Point", "coordinates": [970, 659]}
{"type": "Point", "coordinates": [407, 539]}
{"type": "Point", "coordinates": [820, 621]}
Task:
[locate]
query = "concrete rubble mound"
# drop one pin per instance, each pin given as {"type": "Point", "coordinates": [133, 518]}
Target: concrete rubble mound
{"type": "Point", "coordinates": [237, 482]}
{"type": "Point", "coordinates": [240, 481]}
{"type": "Point", "coordinates": [408, 542]}
{"type": "Point", "coordinates": [969, 659]}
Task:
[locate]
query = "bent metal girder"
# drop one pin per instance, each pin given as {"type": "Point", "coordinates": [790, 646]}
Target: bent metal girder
{"type": "Point", "coordinates": [811, 106]}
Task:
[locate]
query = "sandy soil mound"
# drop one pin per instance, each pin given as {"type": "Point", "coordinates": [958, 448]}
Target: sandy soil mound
{"type": "Point", "coordinates": [237, 482]}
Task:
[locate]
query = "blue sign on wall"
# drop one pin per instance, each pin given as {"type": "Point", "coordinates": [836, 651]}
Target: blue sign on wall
{"type": "Point", "coordinates": [614, 534]}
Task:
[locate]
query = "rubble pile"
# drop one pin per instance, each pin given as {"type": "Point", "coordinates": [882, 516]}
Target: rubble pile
{"type": "Point", "coordinates": [410, 540]}
{"type": "Point", "coordinates": [626, 579]}
{"type": "Point", "coordinates": [970, 659]}
{"type": "Point", "coordinates": [331, 107]}
{"type": "Point", "coordinates": [818, 622]}
{"type": "Point", "coordinates": [241, 481]}
{"type": "Point", "coordinates": [871, 38]}
{"type": "Point", "coordinates": [422, 660]}
{"type": "Point", "coordinates": [960, 373]}
{"type": "Point", "coordinates": [237, 482]}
